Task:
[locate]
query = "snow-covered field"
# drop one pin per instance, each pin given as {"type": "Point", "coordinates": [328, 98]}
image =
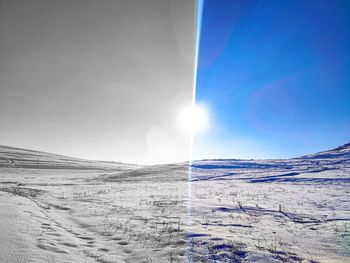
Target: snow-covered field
{"type": "Point", "coordinates": [59, 209]}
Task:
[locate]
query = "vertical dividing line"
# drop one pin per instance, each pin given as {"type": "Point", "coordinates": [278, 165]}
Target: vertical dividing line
{"type": "Point", "coordinates": [198, 24]}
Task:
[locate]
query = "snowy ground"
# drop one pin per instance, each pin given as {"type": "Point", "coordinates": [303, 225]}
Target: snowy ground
{"type": "Point", "coordinates": [61, 209]}
{"type": "Point", "coordinates": [274, 210]}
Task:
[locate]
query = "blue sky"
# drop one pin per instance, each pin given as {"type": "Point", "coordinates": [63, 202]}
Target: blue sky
{"type": "Point", "coordinates": [274, 76]}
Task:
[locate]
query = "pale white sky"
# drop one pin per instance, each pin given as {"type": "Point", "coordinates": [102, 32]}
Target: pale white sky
{"type": "Point", "coordinates": [97, 79]}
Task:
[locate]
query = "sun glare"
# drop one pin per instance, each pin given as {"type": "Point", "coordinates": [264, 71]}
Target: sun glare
{"type": "Point", "coordinates": [193, 119]}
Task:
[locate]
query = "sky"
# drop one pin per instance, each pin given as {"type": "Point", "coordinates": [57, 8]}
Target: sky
{"type": "Point", "coordinates": [106, 80]}
{"type": "Point", "coordinates": [101, 80]}
{"type": "Point", "coordinates": [274, 77]}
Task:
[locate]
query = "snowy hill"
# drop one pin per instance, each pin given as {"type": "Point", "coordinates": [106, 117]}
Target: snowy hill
{"type": "Point", "coordinates": [339, 152]}
{"type": "Point", "coordinates": [23, 158]}
{"type": "Point", "coordinates": [304, 168]}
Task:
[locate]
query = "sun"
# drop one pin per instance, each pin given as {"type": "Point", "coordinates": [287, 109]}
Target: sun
{"type": "Point", "coordinates": [193, 119]}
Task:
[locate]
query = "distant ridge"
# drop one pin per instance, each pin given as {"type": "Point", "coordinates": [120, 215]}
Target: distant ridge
{"type": "Point", "coordinates": [23, 158]}
{"type": "Point", "coordinates": [13, 157]}
{"type": "Point", "coordinates": [343, 147]}
{"type": "Point", "coordinates": [342, 150]}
